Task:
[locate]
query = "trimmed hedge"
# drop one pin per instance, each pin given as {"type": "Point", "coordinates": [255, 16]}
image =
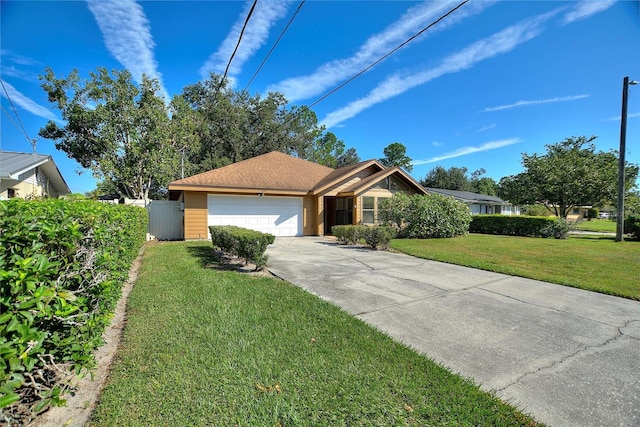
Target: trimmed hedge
{"type": "Point", "coordinates": [511, 225]}
{"type": "Point", "coordinates": [632, 226]}
{"type": "Point", "coordinates": [62, 267]}
{"type": "Point", "coordinates": [247, 244]}
{"type": "Point", "coordinates": [375, 236]}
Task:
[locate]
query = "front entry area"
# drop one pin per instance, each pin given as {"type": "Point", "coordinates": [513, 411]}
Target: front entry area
{"type": "Point", "coordinates": [337, 211]}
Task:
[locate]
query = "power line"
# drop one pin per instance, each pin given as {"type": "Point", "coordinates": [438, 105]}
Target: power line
{"type": "Point", "coordinates": [337, 88]}
{"type": "Point", "coordinates": [274, 45]}
{"type": "Point", "coordinates": [16, 113]}
{"type": "Point", "coordinates": [12, 121]}
{"type": "Point", "coordinates": [246, 21]}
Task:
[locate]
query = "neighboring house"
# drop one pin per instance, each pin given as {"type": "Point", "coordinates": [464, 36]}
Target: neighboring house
{"type": "Point", "coordinates": [287, 196]}
{"type": "Point", "coordinates": [578, 213]}
{"type": "Point", "coordinates": [27, 175]}
{"type": "Point", "coordinates": [480, 203]}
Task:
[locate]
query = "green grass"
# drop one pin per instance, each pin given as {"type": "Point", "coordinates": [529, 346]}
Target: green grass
{"type": "Point", "coordinates": [600, 225]}
{"type": "Point", "coordinates": [208, 347]}
{"type": "Point", "coordinates": [595, 263]}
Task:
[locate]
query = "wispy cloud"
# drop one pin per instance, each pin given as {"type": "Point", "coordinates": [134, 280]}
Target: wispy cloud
{"type": "Point", "coordinates": [28, 104]}
{"type": "Point", "coordinates": [629, 116]}
{"type": "Point", "coordinates": [535, 102]}
{"type": "Point", "coordinates": [14, 65]}
{"type": "Point", "coordinates": [255, 35]}
{"type": "Point", "coordinates": [501, 42]}
{"type": "Point", "coordinates": [11, 71]}
{"type": "Point", "coordinates": [127, 35]}
{"type": "Point", "coordinates": [587, 8]}
{"type": "Point", "coordinates": [470, 150]}
{"type": "Point", "coordinates": [16, 59]}
{"type": "Point", "coordinates": [329, 74]}
{"type": "Point", "coordinates": [487, 127]}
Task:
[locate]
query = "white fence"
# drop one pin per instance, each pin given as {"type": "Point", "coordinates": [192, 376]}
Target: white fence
{"type": "Point", "coordinates": [165, 220]}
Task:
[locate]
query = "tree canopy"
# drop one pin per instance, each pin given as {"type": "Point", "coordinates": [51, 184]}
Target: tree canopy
{"type": "Point", "coordinates": [135, 144]}
{"type": "Point", "coordinates": [395, 154]}
{"type": "Point", "coordinates": [330, 151]}
{"type": "Point", "coordinates": [115, 129]}
{"type": "Point", "coordinates": [456, 178]}
{"type": "Point", "coordinates": [571, 173]}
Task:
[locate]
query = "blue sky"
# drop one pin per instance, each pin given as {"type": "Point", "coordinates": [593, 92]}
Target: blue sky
{"type": "Point", "coordinates": [490, 81]}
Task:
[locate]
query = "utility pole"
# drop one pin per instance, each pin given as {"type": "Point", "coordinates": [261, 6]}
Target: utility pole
{"type": "Point", "coordinates": [621, 161]}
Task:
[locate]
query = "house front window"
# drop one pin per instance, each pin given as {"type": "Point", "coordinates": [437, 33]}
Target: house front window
{"type": "Point", "coordinates": [368, 210]}
{"type": "Point", "coordinates": [344, 210]}
{"type": "Point", "coordinates": [392, 184]}
{"type": "Point", "coordinates": [11, 193]}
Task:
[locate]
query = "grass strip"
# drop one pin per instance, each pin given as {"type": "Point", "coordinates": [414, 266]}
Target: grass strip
{"type": "Point", "coordinates": [598, 225]}
{"type": "Point", "coordinates": [595, 263]}
{"type": "Point", "coordinates": [208, 347]}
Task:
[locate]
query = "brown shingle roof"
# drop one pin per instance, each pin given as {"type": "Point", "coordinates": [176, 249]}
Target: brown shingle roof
{"type": "Point", "coordinates": [271, 171]}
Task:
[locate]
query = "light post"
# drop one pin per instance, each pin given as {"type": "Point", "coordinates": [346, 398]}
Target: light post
{"type": "Point", "coordinates": [621, 163]}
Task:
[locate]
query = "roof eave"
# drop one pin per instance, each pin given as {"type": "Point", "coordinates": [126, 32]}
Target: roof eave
{"type": "Point", "coordinates": [345, 176]}
{"type": "Point", "coordinates": [16, 174]}
{"type": "Point", "coordinates": [237, 190]}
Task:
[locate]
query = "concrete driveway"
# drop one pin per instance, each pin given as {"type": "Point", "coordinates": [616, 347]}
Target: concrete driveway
{"type": "Point", "coordinates": [566, 356]}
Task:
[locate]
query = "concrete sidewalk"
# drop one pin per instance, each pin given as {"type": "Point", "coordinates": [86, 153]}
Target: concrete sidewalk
{"type": "Point", "coordinates": [566, 356]}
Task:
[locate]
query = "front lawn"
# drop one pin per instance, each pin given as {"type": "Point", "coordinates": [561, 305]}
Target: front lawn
{"type": "Point", "coordinates": [599, 225]}
{"type": "Point", "coordinates": [589, 262]}
{"type": "Point", "coordinates": [209, 347]}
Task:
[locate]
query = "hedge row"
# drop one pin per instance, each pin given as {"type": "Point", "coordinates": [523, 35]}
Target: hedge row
{"type": "Point", "coordinates": [375, 236]}
{"type": "Point", "coordinates": [519, 226]}
{"type": "Point", "coordinates": [247, 244]}
{"type": "Point", "coordinates": [62, 267]}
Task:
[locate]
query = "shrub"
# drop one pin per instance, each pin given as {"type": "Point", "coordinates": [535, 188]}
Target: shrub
{"type": "Point", "coordinates": [558, 229]}
{"type": "Point", "coordinates": [632, 226]}
{"type": "Point", "coordinates": [593, 213]}
{"type": "Point", "coordinates": [247, 244]}
{"type": "Point", "coordinates": [379, 237]}
{"type": "Point", "coordinates": [375, 236]}
{"type": "Point", "coordinates": [519, 226]}
{"type": "Point", "coordinates": [349, 234]}
{"type": "Point", "coordinates": [425, 216]}
{"type": "Point", "coordinates": [535, 210]}
{"type": "Point", "coordinates": [62, 266]}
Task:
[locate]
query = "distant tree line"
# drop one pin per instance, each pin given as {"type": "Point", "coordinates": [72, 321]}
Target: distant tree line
{"type": "Point", "coordinates": [135, 143]}
{"type": "Point", "coordinates": [456, 178]}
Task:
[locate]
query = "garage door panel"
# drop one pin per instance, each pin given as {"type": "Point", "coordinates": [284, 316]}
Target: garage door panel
{"type": "Point", "coordinates": [280, 216]}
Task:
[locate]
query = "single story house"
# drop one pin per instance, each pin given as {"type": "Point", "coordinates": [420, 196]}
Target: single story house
{"type": "Point", "coordinates": [480, 203]}
{"type": "Point", "coordinates": [26, 175]}
{"type": "Point", "coordinates": [287, 196]}
{"type": "Point", "coordinates": [578, 213]}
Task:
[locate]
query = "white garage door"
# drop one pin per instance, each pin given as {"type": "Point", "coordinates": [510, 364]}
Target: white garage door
{"type": "Point", "coordinates": [280, 216]}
